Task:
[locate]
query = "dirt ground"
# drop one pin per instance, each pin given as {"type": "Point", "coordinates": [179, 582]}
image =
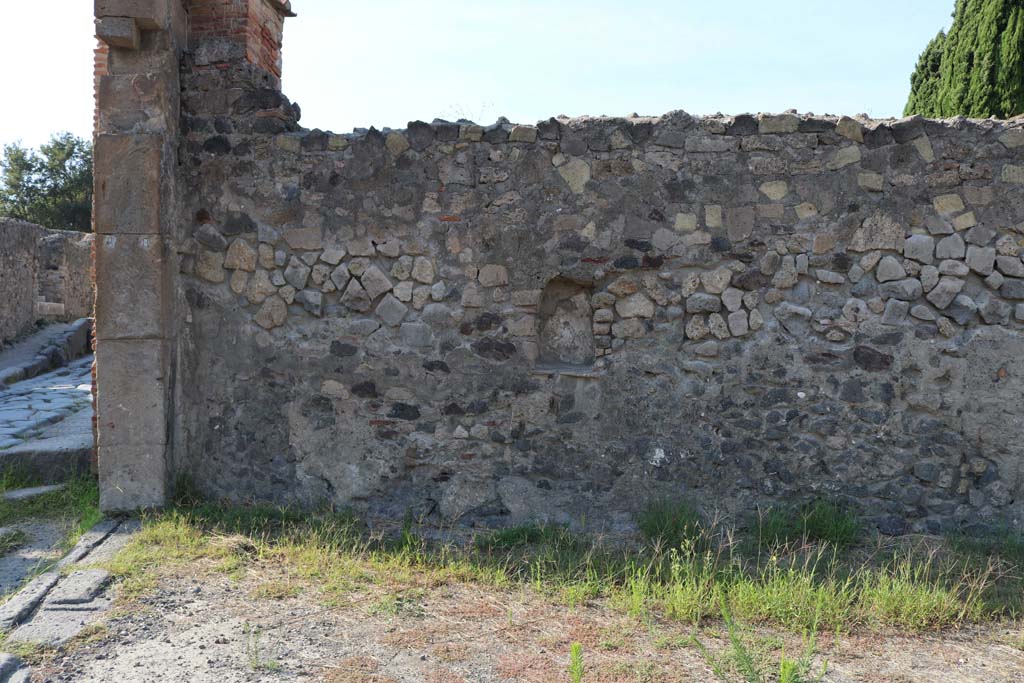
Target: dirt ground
{"type": "Point", "coordinates": [221, 629]}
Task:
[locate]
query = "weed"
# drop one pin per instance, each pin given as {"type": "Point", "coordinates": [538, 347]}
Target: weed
{"type": "Point", "coordinates": [254, 650]}
{"type": "Point", "coordinates": [675, 642]}
{"type": "Point", "coordinates": [402, 604]}
{"type": "Point", "coordinates": [638, 671]}
{"type": "Point", "coordinates": [576, 668]}
{"type": "Point", "coordinates": [77, 503]}
{"type": "Point", "coordinates": [11, 539]}
{"type": "Point", "coordinates": [999, 550]}
{"type": "Point", "coordinates": [1003, 542]}
{"type": "Point", "coordinates": [670, 523]}
{"type": "Point", "coordinates": [818, 522]}
{"type": "Point", "coordinates": [516, 537]}
{"type": "Point", "coordinates": [277, 590]}
{"type": "Point", "coordinates": [749, 664]}
{"type": "Point", "coordinates": [27, 652]}
{"type": "Point", "coordinates": [921, 593]}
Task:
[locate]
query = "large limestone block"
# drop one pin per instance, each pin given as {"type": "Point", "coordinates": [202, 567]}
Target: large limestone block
{"type": "Point", "coordinates": [133, 291]}
{"type": "Point", "coordinates": [132, 477]}
{"type": "Point", "coordinates": [131, 392]}
{"type": "Point", "coordinates": [127, 184]}
{"type": "Point", "coordinates": [148, 14]}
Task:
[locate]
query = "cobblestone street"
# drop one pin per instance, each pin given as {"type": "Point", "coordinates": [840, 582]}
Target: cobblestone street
{"type": "Point", "coordinates": [29, 407]}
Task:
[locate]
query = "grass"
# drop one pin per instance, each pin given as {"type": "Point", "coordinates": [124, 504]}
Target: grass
{"type": "Point", "coordinates": [516, 537]}
{"type": "Point", "coordinates": [78, 503]}
{"type": "Point", "coordinates": [11, 539]}
{"type": "Point", "coordinates": [922, 585]}
{"type": "Point", "coordinates": [667, 523]}
{"type": "Point", "coordinates": [254, 653]}
{"type": "Point", "coordinates": [818, 522]}
{"type": "Point", "coordinates": [400, 604]}
{"type": "Point", "coordinates": [746, 662]}
{"type": "Point", "coordinates": [576, 668]}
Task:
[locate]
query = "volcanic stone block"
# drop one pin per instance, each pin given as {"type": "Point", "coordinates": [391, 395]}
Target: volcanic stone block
{"type": "Point", "coordinates": [147, 14]}
{"type": "Point", "coordinates": [127, 184]}
{"type": "Point", "coordinates": [118, 32]}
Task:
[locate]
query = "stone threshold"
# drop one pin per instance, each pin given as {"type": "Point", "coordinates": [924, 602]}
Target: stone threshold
{"type": "Point", "coordinates": [58, 604]}
{"type": "Point", "coordinates": [61, 350]}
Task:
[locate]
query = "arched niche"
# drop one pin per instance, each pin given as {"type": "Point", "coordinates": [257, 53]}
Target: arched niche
{"type": "Point", "coordinates": [565, 324]}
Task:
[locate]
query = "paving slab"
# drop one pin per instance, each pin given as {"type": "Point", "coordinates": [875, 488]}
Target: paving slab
{"type": "Point", "coordinates": [55, 459]}
{"type": "Point", "coordinates": [79, 587]}
{"type": "Point", "coordinates": [89, 540]}
{"type": "Point", "coordinates": [51, 609]}
{"type": "Point", "coordinates": [26, 348]}
{"type": "Point", "coordinates": [46, 424]}
{"type": "Point", "coordinates": [25, 601]}
{"type": "Point", "coordinates": [55, 625]}
{"type": "Point", "coordinates": [52, 347]}
{"type": "Point", "coordinates": [28, 407]}
{"type": "Point", "coordinates": [40, 548]}
{"type": "Point", "coordinates": [32, 492]}
{"type": "Point", "coordinates": [8, 665]}
{"type": "Point", "coordinates": [112, 544]}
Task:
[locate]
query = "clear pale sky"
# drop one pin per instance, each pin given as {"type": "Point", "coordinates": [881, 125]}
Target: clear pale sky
{"type": "Point", "coordinates": [385, 62]}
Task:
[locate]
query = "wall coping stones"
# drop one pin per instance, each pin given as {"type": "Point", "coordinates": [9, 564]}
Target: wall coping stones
{"type": "Point", "coordinates": [637, 129]}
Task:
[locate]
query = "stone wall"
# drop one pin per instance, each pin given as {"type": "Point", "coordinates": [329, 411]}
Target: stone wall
{"type": "Point", "coordinates": [65, 290]}
{"type": "Point", "coordinates": [19, 261]}
{"type": "Point", "coordinates": [44, 275]}
{"type": "Point", "coordinates": [560, 321]}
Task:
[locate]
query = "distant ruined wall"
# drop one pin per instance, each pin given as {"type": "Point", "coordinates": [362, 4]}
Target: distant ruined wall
{"type": "Point", "coordinates": [19, 262]}
{"type": "Point", "coordinates": [44, 275]}
{"type": "Point", "coordinates": [560, 321]}
{"type": "Point", "coordinates": [65, 290]}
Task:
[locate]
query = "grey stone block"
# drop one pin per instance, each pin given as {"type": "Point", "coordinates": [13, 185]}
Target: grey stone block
{"type": "Point", "coordinates": [79, 587]}
{"type": "Point", "coordinates": [25, 601]}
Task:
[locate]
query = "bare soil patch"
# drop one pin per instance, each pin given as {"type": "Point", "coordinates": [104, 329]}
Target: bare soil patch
{"type": "Point", "coordinates": [201, 626]}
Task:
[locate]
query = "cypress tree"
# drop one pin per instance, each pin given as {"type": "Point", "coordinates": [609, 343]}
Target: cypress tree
{"type": "Point", "coordinates": [976, 70]}
{"type": "Point", "coordinates": [925, 81]}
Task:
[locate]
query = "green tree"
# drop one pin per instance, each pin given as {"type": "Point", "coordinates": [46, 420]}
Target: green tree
{"type": "Point", "coordinates": [51, 187]}
{"type": "Point", "coordinates": [926, 79]}
{"type": "Point", "coordinates": [976, 70]}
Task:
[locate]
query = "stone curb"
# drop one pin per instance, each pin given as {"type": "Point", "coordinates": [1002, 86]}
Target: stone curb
{"type": "Point", "coordinates": [52, 609]}
{"type": "Point", "coordinates": [50, 461]}
{"type": "Point", "coordinates": [9, 665]}
{"type": "Point", "coordinates": [89, 540]}
{"type": "Point", "coordinates": [25, 601]}
{"type": "Point", "coordinates": [66, 347]}
{"type": "Point", "coordinates": [32, 492]}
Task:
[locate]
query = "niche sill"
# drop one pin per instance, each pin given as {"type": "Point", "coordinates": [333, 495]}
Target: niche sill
{"type": "Point", "coordinates": [569, 370]}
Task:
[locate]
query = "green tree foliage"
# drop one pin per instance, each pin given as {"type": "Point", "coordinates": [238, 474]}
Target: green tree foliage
{"type": "Point", "coordinates": [977, 70]}
{"type": "Point", "coordinates": [52, 186]}
{"type": "Point", "coordinates": [926, 79]}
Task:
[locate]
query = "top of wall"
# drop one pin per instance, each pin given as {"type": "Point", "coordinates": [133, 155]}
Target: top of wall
{"type": "Point", "coordinates": [654, 129]}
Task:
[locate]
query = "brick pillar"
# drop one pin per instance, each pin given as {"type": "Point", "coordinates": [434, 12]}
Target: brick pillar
{"type": "Point", "coordinates": [133, 215]}
{"type": "Point", "coordinates": [226, 32]}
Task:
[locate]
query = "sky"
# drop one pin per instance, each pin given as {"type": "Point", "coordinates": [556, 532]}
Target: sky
{"type": "Point", "coordinates": [383, 63]}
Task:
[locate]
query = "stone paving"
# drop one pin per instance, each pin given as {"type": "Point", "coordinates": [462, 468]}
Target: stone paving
{"type": "Point", "coordinates": [57, 604]}
{"type": "Point", "coordinates": [28, 407]}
